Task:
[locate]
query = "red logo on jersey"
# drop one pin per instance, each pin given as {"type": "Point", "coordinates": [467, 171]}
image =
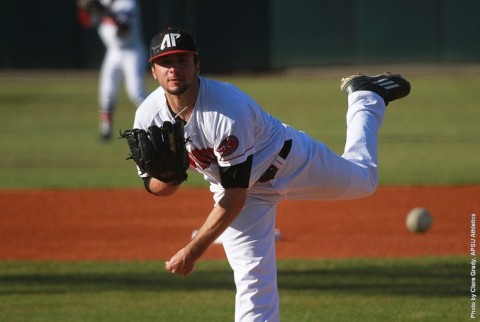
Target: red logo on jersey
{"type": "Point", "coordinates": [203, 157]}
{"type": "Point", "coordinates": [228, 146]}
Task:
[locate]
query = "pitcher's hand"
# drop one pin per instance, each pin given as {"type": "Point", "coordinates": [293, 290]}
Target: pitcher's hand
{"type": "Point", "coordinates": [181, 263]}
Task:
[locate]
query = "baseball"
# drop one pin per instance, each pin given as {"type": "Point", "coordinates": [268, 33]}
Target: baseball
{"type": "Point", "coordinates": [419, 220]}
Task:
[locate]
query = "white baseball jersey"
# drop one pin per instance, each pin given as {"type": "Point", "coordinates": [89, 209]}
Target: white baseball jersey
{"type": "Point", "coordinates": [127, 11]}
{"type": "Point", "coordinates": [225, 128]}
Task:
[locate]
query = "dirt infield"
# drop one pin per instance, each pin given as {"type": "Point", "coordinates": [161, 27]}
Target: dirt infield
{"type": "Point", "coordinates": [133, 225]}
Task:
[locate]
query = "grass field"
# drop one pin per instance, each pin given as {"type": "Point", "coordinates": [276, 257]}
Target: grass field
{"type": "Point", "coordinates": [429, 289]}
{"type": "Point", "coordinates": [49, 128]}
{"type": "Point", "coordinates": [49, 140]}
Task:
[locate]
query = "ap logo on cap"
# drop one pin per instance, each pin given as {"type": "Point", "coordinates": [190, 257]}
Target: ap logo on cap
{"type": "Point", "coordinates": [169, 40]}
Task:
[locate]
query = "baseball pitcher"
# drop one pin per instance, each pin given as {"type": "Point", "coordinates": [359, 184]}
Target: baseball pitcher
{"type": "Point", "coordinates": [252, 161]}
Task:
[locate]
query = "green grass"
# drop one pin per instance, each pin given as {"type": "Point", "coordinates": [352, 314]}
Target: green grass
{"type": "Point", "coordinates": [49, 128]}
{"type": "Point", "coordinates": [428, 289]}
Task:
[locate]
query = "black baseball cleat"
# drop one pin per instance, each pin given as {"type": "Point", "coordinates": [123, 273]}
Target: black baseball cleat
{"type": "Point", "coordinates": [389, 86]}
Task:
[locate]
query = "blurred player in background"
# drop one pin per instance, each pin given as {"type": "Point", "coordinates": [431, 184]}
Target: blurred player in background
{"type": "Point", "coordinates": [119, 27]}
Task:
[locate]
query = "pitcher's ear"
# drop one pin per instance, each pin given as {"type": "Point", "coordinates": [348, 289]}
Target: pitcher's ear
{"type": "Point", "coordinates": [152, 69]}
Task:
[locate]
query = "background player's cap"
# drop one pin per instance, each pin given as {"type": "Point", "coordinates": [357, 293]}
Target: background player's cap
{"type": "Point", "coordinates": [171, 41]}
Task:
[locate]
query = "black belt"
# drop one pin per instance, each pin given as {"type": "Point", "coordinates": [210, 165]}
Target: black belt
{"type": "Point", "coordinates": [270, 173]}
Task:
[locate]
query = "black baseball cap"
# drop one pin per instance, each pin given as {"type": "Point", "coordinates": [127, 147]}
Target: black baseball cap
{"type": "Point", "coordinates": [171, 41]}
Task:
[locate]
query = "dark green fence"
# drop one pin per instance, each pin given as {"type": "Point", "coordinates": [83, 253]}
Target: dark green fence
{"type": "Point", "coordinates": [256, 34]}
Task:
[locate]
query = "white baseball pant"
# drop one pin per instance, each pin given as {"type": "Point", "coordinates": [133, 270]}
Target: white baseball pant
{"type": "Point", "coordinates": [119, 65]}
{"type": "Point", "coordinates": [314, 172]}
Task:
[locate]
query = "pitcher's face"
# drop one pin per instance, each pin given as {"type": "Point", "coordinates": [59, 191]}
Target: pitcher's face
{"type": "Point", "coordinates": [176, 73]}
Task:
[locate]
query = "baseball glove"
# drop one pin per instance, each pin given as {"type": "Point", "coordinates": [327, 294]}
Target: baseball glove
{"type": "Point", "coordinates": [159, 151]}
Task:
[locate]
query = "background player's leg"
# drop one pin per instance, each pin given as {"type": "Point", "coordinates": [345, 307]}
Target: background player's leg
{"type": "Point", "coordinates": [134, 69]}
{"type": "Point", "coordinates": [110, 80]}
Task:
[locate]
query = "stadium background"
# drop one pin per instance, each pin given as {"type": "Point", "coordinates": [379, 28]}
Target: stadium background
{"type": "Point", "coordinates": [254, 35]}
